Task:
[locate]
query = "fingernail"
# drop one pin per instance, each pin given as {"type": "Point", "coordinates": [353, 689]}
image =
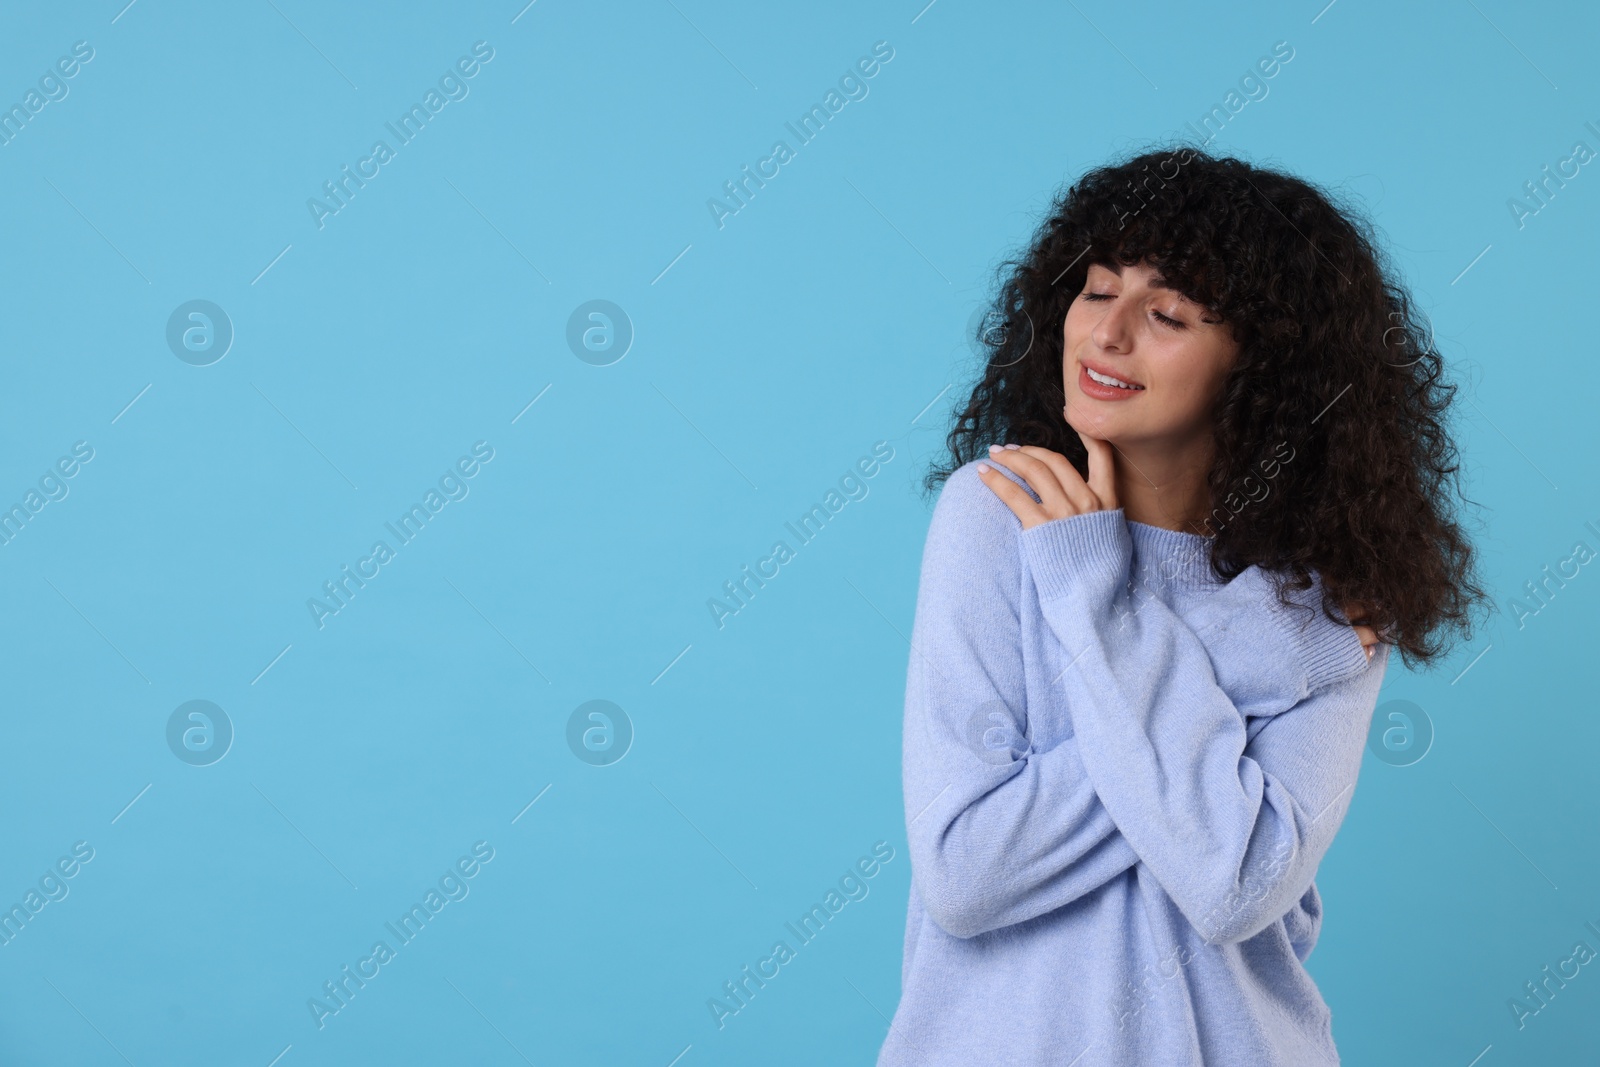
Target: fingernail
{"type": "Point", "coordinates": [994, 448]}
{"type": "Point", "coordinates": [984, 468]}
{"type": "Point", "coordinates": [1014, 446]}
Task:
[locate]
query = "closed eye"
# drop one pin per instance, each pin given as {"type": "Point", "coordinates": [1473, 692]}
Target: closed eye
{"type": "Point", "coordinates": [1164, 319]}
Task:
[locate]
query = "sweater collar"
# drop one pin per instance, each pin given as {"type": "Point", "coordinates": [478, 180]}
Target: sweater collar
{"type": "Point", "coordinates": [1171, 557]}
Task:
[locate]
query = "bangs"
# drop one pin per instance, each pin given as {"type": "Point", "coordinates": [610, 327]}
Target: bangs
{"type": "Point", "coordinates": [1181, 260]}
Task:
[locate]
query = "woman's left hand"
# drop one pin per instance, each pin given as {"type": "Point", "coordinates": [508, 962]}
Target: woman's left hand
{"type": "Point", "coordinates": [1356, 612]}
{"type": "Point", "coordinates": [1062, 490]}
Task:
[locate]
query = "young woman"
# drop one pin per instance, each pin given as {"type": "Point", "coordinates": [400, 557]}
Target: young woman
{"type": "Point", "coordinates": [1204, 471]}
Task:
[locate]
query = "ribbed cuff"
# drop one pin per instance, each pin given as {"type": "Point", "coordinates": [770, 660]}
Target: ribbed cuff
{"type": "Point", "coordinates": [1329, 651]}
{"type": "Point", "coordinates": [1092, 546]}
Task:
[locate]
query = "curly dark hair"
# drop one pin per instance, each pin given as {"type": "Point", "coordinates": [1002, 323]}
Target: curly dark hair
{"type": "Point", "coordinates": [1335, 362]}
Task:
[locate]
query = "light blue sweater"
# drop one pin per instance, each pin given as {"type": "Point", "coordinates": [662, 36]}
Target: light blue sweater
{"type": "Point", "coordinates": [1120, 775]}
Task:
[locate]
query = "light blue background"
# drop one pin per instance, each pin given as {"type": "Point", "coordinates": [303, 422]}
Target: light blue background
{"type": "Point", "coordinates": [825, 316]}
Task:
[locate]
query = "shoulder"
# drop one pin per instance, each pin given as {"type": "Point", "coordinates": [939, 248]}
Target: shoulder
{"type": "Point", "coordinates": [969, 508]}
{"type": "Point", "coordinates": [972, 529]}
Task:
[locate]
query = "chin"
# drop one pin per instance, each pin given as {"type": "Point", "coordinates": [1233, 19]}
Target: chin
{"type": "Point", "coordinates": [1106, 428]}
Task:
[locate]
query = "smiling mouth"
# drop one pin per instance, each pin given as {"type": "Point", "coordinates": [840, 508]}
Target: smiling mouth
{"type": "Point", "coordinates": [1106, 379]}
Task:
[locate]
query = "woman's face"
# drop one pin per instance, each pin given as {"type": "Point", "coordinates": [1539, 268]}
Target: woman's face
{"type": "Point", "coordinates": [1125, 326]}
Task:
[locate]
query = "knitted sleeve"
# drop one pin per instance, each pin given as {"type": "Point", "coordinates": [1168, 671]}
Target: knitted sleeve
{"type": "Point", "coordinates": [1231, 816]}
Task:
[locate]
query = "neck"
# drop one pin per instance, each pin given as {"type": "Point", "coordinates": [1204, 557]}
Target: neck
{"type": "Point", "coordinates": [1164, 487]}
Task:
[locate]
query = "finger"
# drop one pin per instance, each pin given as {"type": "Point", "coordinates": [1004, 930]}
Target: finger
{"type": "Point", "coordinates": [1102, 469]}
{"type": "Point", "coordinates": [1012, 496]}
{"type": "Point", "coordinates": [1038, 476]}
{"type": "Point", "coordinates": [1073, 486]}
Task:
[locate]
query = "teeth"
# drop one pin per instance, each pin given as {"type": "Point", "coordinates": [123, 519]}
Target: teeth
{"type": "Point", "coordinates": [1107, 380]}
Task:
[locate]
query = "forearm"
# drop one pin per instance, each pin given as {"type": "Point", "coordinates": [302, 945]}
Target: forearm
{"type": "Point", "coordinates": [999, 834]}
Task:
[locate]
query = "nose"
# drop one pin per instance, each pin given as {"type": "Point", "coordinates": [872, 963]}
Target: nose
{"type": "Point", "coordinates": [1112, 332]}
